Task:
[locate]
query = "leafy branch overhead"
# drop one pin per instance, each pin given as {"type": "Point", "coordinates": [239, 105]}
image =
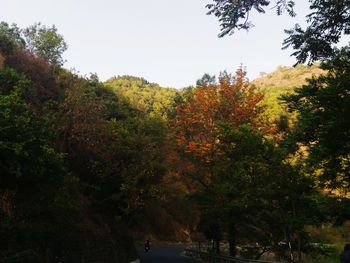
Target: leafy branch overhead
{"type": "Point", "coordinates": [326, 23]}
{"type": "Point", "coordinates": [234, 14]}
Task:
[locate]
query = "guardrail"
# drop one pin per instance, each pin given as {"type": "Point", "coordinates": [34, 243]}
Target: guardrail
{"type": "Point", "coordinates": [220, 259]}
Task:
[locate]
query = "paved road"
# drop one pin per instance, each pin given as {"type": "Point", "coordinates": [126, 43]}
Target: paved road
{"type": "Point", "coordinates": [163, 254]}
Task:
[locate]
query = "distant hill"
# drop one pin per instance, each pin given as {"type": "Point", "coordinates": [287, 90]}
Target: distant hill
{"type": "Point", "coordinates": [281, 81]}
{"type": "Point", "coordinates": [143, 95]}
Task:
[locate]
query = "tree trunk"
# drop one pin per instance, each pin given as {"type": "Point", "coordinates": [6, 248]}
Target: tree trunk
{"type": "Point", "coordinates": [232, 239]}
{"type": "Point", "coordinates": [217, 246]}
{"type": "Point", "coordinates": [300, 259]}
{"type": "Point", "coordinates": [298, 235]}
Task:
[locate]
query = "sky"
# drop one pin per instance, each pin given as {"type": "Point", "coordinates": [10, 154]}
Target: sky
{"type": "Point", "coordinates": [169, 42]}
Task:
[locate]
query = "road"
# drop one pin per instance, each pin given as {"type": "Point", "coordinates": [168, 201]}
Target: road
{"type": "Point", "coordinates": [164, 254]}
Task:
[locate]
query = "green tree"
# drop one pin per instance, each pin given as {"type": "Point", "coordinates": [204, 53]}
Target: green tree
{"type": "Point", "coordinates": [323, 124]}
{"type": "Point", "coordinates": [259, 194]}
{"type": "Point", "coordinates": [206, 79]}
{"type": "Point", "coordinates": [32, 174]}
{"type": "Point", "coordinates": [46, 42]}
{"type": "Point", "coordinates": [10, 37]}
{"type": "Point", "coordinates": [37, 39]}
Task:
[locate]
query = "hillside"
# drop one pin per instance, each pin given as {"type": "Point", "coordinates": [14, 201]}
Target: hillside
{"type": "Point", "coordinates": [281, 81]}
{"type": "Point", "coordinates": [143, 95]}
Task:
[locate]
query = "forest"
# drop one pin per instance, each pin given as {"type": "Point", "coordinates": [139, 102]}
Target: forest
{"type": "Point", "coordinates": [254, 169]}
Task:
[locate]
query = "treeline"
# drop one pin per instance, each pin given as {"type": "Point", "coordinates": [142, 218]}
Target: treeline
{"type": "Point", "coordinates": [77, 161]}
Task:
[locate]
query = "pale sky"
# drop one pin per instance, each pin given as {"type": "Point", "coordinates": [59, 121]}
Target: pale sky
{"type": "Point", "coordinates": [169, 42]}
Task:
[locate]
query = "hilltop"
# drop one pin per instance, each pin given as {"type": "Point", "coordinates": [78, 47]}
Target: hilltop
{"type": "Point", "coordinates": [281, 81]}
{"type": "Point", "coordinates": [143, 95]}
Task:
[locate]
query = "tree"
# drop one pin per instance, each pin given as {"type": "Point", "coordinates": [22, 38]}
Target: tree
{"type": "Point", "coordinates": [10, 37]}
{"type": "Point", "coordinates": [327, 22]}
{"type": "Point", "coordinates": [32, 173]}
{"type": "Point", "coordinates": [206, 79]}
{"type": "Point", "coordinates": [232, 101]}
{"type": "Point", "coordinates": [323, 124]}
{"type": "Point", "coordinates": [23, 135]}
{"type": "Point", "coordinates": [197, 128]}
{"type": "Point", "coordinates": [46, 42]}
{"type": "Point", "coordinates": [38, 39]}
{"type": "Point", "coordinates": [257, 195]}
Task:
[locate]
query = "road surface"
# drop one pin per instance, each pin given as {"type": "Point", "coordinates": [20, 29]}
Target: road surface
{"type": "Point", "coordinates": [163, 254]}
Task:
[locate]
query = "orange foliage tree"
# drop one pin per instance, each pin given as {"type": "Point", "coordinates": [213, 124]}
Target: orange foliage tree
{"type": "Point", "coordinates": [197, 123]}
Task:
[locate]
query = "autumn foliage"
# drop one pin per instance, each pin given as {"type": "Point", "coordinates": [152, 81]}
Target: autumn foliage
{"type": "Point", "coordinates": [232, 101]}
